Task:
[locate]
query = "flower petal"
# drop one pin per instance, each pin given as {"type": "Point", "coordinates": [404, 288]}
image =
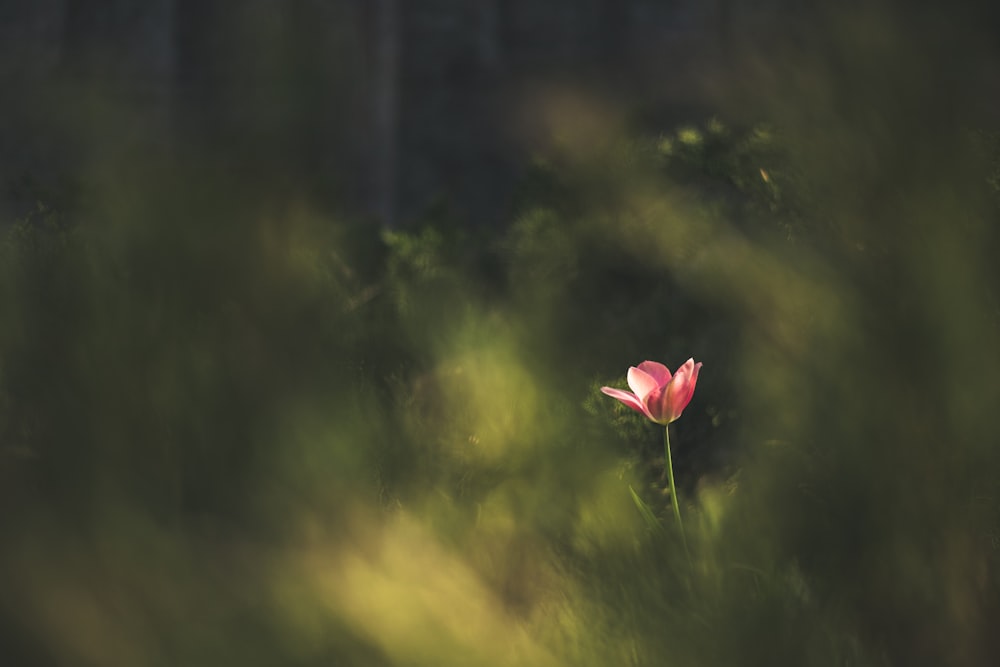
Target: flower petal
{"type": "Point", "coordinates": [658, 406]}
{"type": "Point", "coordinates": [692, 381]}
{"type": "Point", "coordinates": [641, 382]}
{"type": "Point", "coordinates": [627, 398]}
{"type": "Point", "coordinates": [684, 372]}
{"type": "Point", "coordinates": [657, 371]}
{"type": "Point", "coordinates": [681, 388]}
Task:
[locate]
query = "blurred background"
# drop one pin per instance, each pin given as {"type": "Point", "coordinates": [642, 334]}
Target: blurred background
{"type": "Point", "coordinates": [305, 306]}
{"type": "Point", "coordinates": [387, 107]}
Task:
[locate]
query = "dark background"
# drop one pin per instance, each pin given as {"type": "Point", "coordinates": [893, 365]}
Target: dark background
{"type": "Point", "coordinates": [384, 107]}
{"type": "Point", "coordinates": [305, 308]}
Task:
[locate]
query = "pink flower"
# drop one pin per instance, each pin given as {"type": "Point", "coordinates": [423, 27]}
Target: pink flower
{"type": "Point", "coordinates": [657, 394]}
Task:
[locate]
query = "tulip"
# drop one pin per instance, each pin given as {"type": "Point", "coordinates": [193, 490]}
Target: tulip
{"type": "Point", "coordinates": [662, 397]}
{"type": "Point", "coordinates": [656, 393]}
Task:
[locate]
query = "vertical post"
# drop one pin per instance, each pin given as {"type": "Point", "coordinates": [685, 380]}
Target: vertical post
{"type": "Point", "coordinates": [613, 16]}
{"type": "Point", "coordinates": [489, 34]}
{"type": "Point", "coordinates": [386, 109]}
{"type": "Point", "coordinates": [159, 64]}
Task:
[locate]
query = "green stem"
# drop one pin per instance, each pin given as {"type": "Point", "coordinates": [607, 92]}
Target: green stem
{"type": "Point", "coordinates": [673, 490]}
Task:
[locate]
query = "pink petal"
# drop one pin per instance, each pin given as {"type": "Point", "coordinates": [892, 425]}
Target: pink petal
{"type": "Point", "coordinates": [693, 381]}
{"type": "Point", "coordinates": [657, 371]}
{"type": "Point", "coordinates": [681, 389]}
{"type": "Point", "coordinates": [627, 398]}
{"type": "Point", "coordinates": [658, 406]}
{"type": "Point", "coordinates": [641, 382]}
{"type": "Point", "coordinates": [684, 373]}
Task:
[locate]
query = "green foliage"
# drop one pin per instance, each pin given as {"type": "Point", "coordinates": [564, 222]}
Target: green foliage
{"type": "Point", "coordinates": [329, 444]}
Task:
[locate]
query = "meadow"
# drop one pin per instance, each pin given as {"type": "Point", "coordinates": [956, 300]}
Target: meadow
{"type": "Point", "coordinates": [235, 429]}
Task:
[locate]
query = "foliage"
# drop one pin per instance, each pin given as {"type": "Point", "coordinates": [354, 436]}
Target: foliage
{"type": "Point", "coordinates": [239, 433]}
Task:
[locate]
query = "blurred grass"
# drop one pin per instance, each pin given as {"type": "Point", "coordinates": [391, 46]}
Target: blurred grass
{"type": "Point", "coordinates": [235, 431]}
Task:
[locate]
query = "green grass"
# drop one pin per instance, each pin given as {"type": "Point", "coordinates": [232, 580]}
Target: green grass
{"type": "Point", "coordinates": [233, 433]}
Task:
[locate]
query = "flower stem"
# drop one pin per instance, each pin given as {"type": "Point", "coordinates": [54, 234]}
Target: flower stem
{"type": "Point", "coordinates": [673, 490]}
